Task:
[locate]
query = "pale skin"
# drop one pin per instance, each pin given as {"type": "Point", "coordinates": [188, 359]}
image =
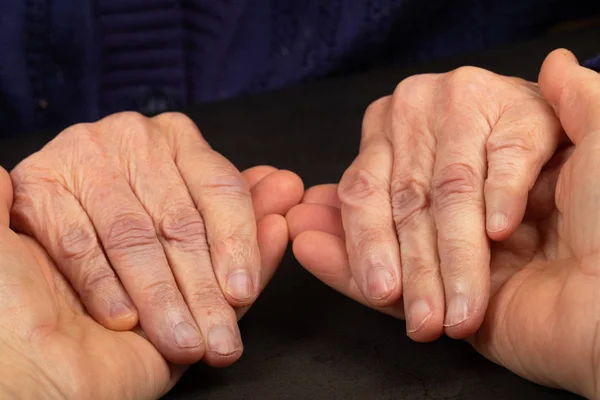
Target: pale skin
{"type": "Point", "coordinates": [149, 224]}
{"type": "Point", "coordinates": [445, 163]}
{"type": "Point", "coordinates": [542, 317]}
{"type": "Point", "coordinates": [544, 307]}
{"type": "Point", "coordinates": [53, 349]}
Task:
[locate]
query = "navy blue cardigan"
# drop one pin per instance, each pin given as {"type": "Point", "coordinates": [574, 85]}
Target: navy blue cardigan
{"type": "Point", "coordinates": [67, 61]}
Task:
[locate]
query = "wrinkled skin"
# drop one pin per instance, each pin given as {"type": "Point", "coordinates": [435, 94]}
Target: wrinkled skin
{"type": "Point", "coordinates": [445, 164]}
{"type": "Point", "coordinates": [544, 309]}
{"type": "Point", "coordinates": [149, 224]}
{"type": "Point", "coordinates": [53, 349]}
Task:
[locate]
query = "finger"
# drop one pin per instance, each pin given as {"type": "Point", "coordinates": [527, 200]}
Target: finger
{"type": "Point", "coordinates": [21, 281]}
{"type": "Point", "coordinates": [6, 197]}
{"type": "Point", "coordinates": [325, 256]}
{"type": "Point", "coordinates": [223, 198]}
{"type": "Point", "coordinates": [363, 191]}
{"type": "Point", "coordinates": [459, 210]}
{"type": "Point", "coordinates": [315, 217]}
{"type": "Point", "coordinates": [39, 211]}
{"type": "Point", "coordinates": [414, 147]}
{"type": "Point", "coordinates": [129, 238]}
{"type": "Point", "coordinates": [256, 174]}
{"type": "Point", "coordinates": [276, 193]}
{"type": "Point", "coordinates": [574, 93]}
{"type": "Point", "coordinates": [367, 219]}
{"type": "Point", "coordinates": [541, 199]}
{"type": "Point", "coordinates": [273, 238]}
{"type": "Point", "coordinates": [323, 194]}
{"type": "Point", "coordinates": [520, 144]}
{"type": "Point", "coordinates": [181, 232]}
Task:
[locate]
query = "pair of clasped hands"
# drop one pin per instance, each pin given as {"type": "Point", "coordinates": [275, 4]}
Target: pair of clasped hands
{"type": "Point", "coordinates": [129, 248]}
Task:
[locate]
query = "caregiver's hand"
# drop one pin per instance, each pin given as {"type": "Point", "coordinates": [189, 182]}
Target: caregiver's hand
{"type": "Point", "coordinates": [445, 164]}
{"type": "Point", "coordinates": [145, 219]}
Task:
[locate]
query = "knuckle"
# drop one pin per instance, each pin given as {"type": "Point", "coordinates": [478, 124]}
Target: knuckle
{"type": "Point", "coordinates": [376, 109]}
{"type": "Point", "coordinates": [458, 258]}
{"type": "Point", "coordinates": [418, 272]}
{"type": "Point", "coordinates": [516, 149]}
{"type": "Point", "coordinates": [183, 226]}
{"type": "Point", "coordinates": [204, 294]}
{"type": "Point", "coordinates": [461, 91]}
{"type": "Point", "coordinates": [77, 244]}
{"type": "Point", "coordinates": [409, 197]}
{"type": "Point", "coordinates": [161, 294]}
{"type": "Point", "coordinates": [182, 122]}
{"type": "Point", "coordinates": [365, 240]}
{"type": "Point", "coordinates": [237, 244]}
{"type": "Point", "coordinates": [93, 281]}
{"type": "Point", "coordinates": [358, 184]}
{"type": "Point", "coordinates": [466, 76]}
{"type": "Point", "coordinates": [456, 183]}
{"type": "Point", "coordinates": [411, 92]}
{"type": "Point", "coordinates": [226, 183]}
{"type": "Point", "coordinates": [31, 194]}
{"type": "Point", "coordinates": [129, 230]}
{"type": "Point", "coordinates": [133, 128]}
{"type": "Point", "coordinates": [78, 132]}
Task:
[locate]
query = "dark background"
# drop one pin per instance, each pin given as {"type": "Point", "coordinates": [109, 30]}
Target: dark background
{"type": "Point", "coordinates": [302, 340]}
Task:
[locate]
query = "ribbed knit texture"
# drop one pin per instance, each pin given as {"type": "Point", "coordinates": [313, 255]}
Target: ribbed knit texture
{"type": "Point", "coordinates": [64, 61]}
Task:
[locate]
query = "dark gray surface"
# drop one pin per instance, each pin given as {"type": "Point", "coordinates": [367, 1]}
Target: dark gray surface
{"type": "Point", "coordinates": [302, 340]}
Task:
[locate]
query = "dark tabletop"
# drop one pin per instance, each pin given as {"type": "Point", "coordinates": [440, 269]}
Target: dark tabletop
{"type": "Point", "coordinates": [302, 340]}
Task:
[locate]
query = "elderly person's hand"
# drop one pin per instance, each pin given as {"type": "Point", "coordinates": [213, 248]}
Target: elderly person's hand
{"type": "Point", "coordinates": [146, 221]}
{"type": "Point", "coordinates": [543, 318]}
{"type": "Point", "coordinates": [53, 349]}
{"type": "Point", "coordinates": [445, 164]}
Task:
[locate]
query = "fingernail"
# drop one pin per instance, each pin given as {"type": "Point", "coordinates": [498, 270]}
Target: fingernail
{"type": "Point", "coordinates": [457, 313]}
{"type": "Point", "coordinates": [221, 340]}
{"type": "Point", "coordinates": [418, 314]}
{"type": "Point", "coordinates": [186, 336]}
{"type": "Point", "coordinates": [497, 222]}
{"type": "Point", "coordinates": [239, 284]}
{"type": "Point", "coordinates": [120, 310]}
{"type": "Point", "coordinates": [380, 283]}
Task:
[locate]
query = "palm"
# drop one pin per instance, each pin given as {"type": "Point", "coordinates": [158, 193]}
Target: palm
{"type": "Point", "coordinates": [544, 280]}
{"type": "Point", "coordinates": [67, 342]}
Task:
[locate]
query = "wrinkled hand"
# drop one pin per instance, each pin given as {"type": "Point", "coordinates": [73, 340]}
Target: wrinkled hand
{"type": "Point", "coordinates": [52, 349]}
{"type": "Point", "coordinates": [444, 159]}
{"type": "Point", "coordinates": [543, 317]}
{"type": "Point", "coordinates": [144, 219]}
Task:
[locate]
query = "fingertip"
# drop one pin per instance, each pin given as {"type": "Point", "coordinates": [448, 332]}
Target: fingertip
{"type": "Point", "coordinates": [383, 288]}
{"type": "Point", "coordinates": [324, 255]}
{"type": "Point", "coordinates": [326, 194]}
{"type": "Point", "coordinates": [120, 323]}
{"type": "Point", "coordinates": [277, 193]}
{"type": "Point", "coordinates": [273, 238]}
{"type": "Point", "coordinates": [255, 174]}
{"type": "Point", "coordinates": [315, 217]}
{"type": "Point", "coordinates": [504, 210]}
{"type": "Point", "coordinates": [215, 360]}
{"type": "Point", "coordinates": [180, 355]}
{"type": "Point", "coordinates": [469, 324]}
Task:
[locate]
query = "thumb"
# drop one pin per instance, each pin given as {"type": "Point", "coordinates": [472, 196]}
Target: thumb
{"type": "Point", "coordinates": [6, 197]}
{"type": "Point", "coordinates": [574, 93]}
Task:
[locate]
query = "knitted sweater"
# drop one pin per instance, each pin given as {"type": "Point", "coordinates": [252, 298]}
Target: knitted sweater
{"type": "Point", "coordinates": [66, 61]}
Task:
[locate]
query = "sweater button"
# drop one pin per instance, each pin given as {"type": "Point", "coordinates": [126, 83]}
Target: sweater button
{"type": "Point", "coordinates": [154, 103]}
